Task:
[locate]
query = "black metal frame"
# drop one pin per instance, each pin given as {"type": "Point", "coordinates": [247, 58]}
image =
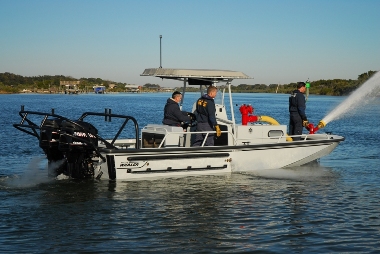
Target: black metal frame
{"type": "Point", "coordinates": [22, 126]}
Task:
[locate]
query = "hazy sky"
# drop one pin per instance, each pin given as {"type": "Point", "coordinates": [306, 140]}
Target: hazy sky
{"type": "Point", "coordinates": [273, 41]}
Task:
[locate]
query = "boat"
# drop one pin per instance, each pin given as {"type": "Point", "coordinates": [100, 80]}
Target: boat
{"type": "Point", "coordinates": [75, 149]}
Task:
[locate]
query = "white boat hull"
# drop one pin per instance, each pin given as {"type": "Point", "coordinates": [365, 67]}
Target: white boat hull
{"type": "Point", "coordinates": [169, 162]}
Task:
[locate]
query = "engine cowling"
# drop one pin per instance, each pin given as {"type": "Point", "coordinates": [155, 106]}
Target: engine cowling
{"type": "Point", "coordinates": [77, 135]}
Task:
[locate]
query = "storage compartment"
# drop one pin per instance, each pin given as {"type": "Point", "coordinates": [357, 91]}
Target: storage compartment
{"type": "Point", "coordinates": [258, 134]}
{"type": "Point", "coordinates": [153, 134]}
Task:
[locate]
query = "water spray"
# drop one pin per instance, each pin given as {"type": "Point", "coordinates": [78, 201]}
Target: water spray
{"type": "Point", "coordinates": [358, 98]}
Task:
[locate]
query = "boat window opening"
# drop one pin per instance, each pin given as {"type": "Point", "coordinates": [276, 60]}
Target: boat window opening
{"type": "Point", "coordinates": [275, 133]}
{"type": "Point", "coordinates": [151, 140]}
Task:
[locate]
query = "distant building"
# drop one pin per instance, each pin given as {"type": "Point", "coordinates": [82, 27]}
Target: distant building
{"type": "Point", "coordinates": [167, 89]}
{"type": "Point", "coordinates": [132, 88]}
{"type": "Point", "coordinates": [70, 87]}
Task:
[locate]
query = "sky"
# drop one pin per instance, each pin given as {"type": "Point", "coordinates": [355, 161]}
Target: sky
{"type": "Point", "coordinates": [272, 41]}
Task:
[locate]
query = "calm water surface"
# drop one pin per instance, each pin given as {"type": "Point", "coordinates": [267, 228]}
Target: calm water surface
{"type": "Point", "coordinates": [326, 208]}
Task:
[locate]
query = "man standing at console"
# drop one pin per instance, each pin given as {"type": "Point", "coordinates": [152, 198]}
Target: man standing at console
{"type": "Point", "coordinates": [297, 107]}
{"type": "Point", "coordinates": [205, 112]}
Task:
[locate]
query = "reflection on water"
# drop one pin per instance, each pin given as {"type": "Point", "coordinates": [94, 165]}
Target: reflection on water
{"type": "Point", "coordinates": [238, 212]}
{"type": "Point", "coordinates": [302, 173]}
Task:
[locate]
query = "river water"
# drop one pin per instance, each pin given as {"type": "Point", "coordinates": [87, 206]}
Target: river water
{"type": "Point", "coordinates": [325, 208]}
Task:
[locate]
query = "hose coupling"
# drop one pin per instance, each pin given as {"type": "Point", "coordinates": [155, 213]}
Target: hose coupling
{"type": "Point", "coordinates": [321, 124]}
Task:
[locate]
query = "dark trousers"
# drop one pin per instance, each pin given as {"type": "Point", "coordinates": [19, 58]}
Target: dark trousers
{"type": "Point", "coordinates": [295, 125]}
{"type": "Point", "coordinates": [201, 136]}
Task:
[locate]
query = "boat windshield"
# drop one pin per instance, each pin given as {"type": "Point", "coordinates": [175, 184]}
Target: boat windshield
{"type": "Point", "coordinates": [219, 97]}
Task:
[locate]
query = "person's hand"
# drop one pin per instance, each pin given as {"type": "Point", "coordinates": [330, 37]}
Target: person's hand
{"type": "Point", "coordinates": [305, 123]}
{"type": "Point", "coordinates": [218, 132]}
{"type": "Point", "coordinates": [192, 116]}
{"type": "Point", "coordinates": [185, 125]}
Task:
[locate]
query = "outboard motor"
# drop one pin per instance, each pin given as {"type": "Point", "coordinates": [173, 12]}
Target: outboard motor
{"type": "Point", "coordinates": [49, 140]}
{"type": "Point", "coordinates": [78, 141]}
{"type": "Point", "coordinates": [78, 135]}
{"type": "Point", "coordinates": [49, 136]}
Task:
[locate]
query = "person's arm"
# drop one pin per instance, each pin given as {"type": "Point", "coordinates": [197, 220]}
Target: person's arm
{"type": "Point", "coordinates": [301, 106]}
{"type": "Point", "coordinates": [180, 115]}
{"type": "Point", "coordinates": [211, 113]}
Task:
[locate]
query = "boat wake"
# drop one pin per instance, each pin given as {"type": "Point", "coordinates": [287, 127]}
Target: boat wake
{"type": "Point", "coordinates": [35, 173]}
{"type": "Point", "coordinates": [301, 173]}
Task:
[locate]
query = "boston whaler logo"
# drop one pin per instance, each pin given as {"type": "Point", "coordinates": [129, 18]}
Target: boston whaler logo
{"type": "Point", "coordinates": [129, 164]}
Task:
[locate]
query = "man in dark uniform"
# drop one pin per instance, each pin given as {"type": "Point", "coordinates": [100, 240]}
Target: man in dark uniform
{"type": "Point", "coordinates": [172, 113]}
{"type": "Point", "coordinates": [297, 107]}
{"type": "Point", "coordinates": [205, 112]}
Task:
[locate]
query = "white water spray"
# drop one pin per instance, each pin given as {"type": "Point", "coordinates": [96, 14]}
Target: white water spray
{"type": "Point", "coordinates": [34, 175]}
{"type": "Point", "coordinates": [359, 97]}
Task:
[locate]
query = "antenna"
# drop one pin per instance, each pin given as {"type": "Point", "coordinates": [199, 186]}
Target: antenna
{"type": "Point", "coordinates": [160, 52]}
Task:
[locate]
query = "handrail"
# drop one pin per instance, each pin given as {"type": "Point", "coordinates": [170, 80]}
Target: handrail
{"type": "Point", "coordinates": [109, 116]}
{"type": "Point", "coordinates": [278, 138]}
{"type": "Point", "coordinates": [194, 132]}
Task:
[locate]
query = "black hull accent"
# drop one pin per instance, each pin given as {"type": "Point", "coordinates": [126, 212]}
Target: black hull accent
{"type": "Point", "coordinates": [111, 167]}
{"type": "Point", "coordinates": [176, 156]}
{"type": "Point", "coordinates": [169, 170]}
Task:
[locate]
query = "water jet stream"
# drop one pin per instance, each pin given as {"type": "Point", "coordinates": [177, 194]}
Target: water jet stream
{"type": "Point", "coordinates": [359, 97]}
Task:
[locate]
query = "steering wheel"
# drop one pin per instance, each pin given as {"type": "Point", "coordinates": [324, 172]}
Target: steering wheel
{"type": "Point", "coordinates": [193, 121]}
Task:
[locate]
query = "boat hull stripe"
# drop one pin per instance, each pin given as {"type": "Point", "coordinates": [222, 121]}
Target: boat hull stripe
{"type": "Point", "coordinates": [177, 170]}
{"type": "Point", "coordinates": [176, 156]}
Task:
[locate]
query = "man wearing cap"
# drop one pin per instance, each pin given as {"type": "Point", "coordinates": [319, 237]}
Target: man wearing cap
{"type": "Point", "coordinates": [297, 107]}
{"type": "Point", "coordinates": [172, 113]}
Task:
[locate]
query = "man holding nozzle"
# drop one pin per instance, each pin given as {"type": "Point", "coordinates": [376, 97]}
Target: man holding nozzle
{"type": "Point", "coordinates": [297, 107]}
{"type": "Point", "coordinates": [205, 112]}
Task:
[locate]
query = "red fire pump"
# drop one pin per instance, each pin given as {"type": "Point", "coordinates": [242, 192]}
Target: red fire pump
{"type": "Point", "coordinates": [310, 127]}
{"type": "Point", "coordinates": [248, 117]}
{"type": "Point", "coordinates": [247, 114]}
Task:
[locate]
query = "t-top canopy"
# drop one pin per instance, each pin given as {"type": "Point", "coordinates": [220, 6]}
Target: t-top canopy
{"type": "Point", "coordinates": [194, 74]}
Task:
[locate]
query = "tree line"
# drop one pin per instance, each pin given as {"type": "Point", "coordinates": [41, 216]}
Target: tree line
{"type": "Point", "coordinates": [13, 83]}
{"type": "Point", "coordinates": [322, 87]}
